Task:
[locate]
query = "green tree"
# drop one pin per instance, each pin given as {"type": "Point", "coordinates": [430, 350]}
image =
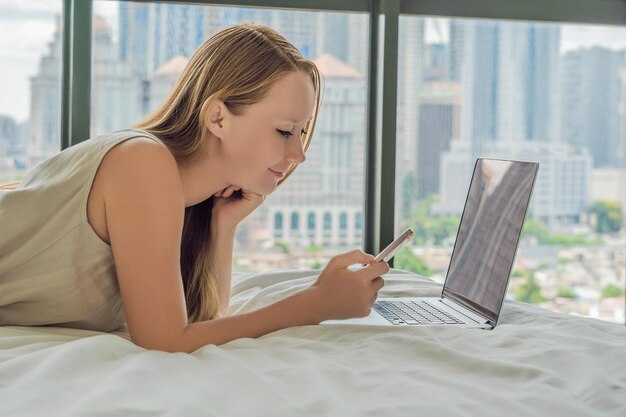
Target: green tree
{"type": "Point", "coordinates": [282, 246]}
{"type": "Point", "coordinates": [429, 228]}
{"type": "Point", "coordinates": [566, 292]}
{"type": "Point", "coordinates": [316, 265]}
{"type": "Point", "coordinates": [406, 261]}
{"type": "Point", "coordinates": [314, 248]}
{"type": "Point", "coordinates": [530, 291]}
{"type": "Point", "coordinates": [536, 228]}
{"type": "Point", "coordinates": [565, 240]}
{"type": "Point", "coordinates": [609, 217]}
{"type": "Point", "coordinates": [611, 291]}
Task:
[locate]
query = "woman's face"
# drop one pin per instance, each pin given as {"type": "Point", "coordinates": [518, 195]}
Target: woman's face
{"type": "Point", "coordinates": [267, 137]}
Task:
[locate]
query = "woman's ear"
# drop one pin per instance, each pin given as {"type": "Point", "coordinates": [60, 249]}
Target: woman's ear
{"type": "Point", "coordinates": [214, 117]}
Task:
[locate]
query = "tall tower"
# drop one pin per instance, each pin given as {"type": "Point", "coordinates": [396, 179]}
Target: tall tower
{"type": "Point", "coordinates": [45, 104]}
{"type": "Point", "coordinates": [590, 101]}
{"type": "Point", "coordinates": [509, 80]}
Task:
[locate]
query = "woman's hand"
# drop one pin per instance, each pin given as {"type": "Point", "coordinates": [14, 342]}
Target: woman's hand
{"type": "Point", "coordinates": [232, 205]}
{"type": "Point", "coordinates": [343, 293]}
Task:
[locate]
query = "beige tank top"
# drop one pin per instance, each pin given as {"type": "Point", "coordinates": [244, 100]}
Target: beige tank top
{"type": "Point", "coordinates": [54, 269]}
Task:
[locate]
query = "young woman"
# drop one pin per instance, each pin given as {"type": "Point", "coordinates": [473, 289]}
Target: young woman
{"type": "Point", "coordinates": [137, 227]}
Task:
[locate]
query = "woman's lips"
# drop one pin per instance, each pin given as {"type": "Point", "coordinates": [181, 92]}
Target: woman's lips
{"type": "Point", "coordinates": [277, 174]}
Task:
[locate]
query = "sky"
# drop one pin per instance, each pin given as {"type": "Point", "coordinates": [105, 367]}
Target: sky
{"type": "Point", "coordinates": [27, 27]}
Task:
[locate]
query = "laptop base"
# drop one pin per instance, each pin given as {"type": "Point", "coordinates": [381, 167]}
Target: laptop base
{"type": "Point", "coordinates": [375, 318]}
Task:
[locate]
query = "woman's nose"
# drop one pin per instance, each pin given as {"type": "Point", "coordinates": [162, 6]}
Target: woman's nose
{"type": "Point", "coordinates": [296, 152]}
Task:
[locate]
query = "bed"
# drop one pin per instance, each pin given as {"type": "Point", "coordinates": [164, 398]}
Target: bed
{"type": "Point", "coordinates": [535, 362]}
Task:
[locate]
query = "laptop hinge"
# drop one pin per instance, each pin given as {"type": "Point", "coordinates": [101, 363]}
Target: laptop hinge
{"type": "Point", "coordinates": [463, 310]}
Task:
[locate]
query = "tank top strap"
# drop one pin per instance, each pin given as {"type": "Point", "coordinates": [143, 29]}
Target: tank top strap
{"type": "Point", "coordinates": [140, 132]}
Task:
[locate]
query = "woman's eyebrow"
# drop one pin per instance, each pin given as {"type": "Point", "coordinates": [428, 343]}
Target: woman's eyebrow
{"type": "Point", "coordinates": [294, 121]}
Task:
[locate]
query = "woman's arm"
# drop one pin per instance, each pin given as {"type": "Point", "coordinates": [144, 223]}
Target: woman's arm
{"type": "Point", "coordinates": [145, 208]}
{"type": "Point", "coordinates": [298, 309]}
{"type": "Point", "coordinates": [222, 242]}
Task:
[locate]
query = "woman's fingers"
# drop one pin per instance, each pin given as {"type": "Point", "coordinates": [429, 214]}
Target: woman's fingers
{"type": "Point", "coordinates": [227, 192]}
{"type": "Point", "coordinates": [374, 298]}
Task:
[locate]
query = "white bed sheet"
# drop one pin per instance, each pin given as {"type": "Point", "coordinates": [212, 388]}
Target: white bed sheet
{"type": "Point", "coordinates": [535, 362]}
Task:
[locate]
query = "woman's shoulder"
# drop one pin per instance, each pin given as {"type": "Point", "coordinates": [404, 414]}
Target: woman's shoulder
{"type": "Point", "coordinates": [134, 169]}
{"type": "Point", "coordinates": [131, 133]}
{"type": "Point", "coordinates": [137, 153]}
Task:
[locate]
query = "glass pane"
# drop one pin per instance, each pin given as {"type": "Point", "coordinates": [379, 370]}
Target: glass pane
{"type": "Point", "coordinates": [545, 92]}
{"type": "Point", "coordinates": [140, 51]}
{"type": "Point", "coordinates": [30, 64]}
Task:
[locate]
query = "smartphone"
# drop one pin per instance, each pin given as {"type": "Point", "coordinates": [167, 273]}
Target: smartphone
{"type": "Point", "coordinates": [395, 246]}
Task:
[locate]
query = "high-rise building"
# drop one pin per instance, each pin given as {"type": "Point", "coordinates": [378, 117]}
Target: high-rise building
{"type": "Point", "coordinates": [455, 49]}
{"type": "Point", "coordinates": [436, 65]}
{"type": "Point", "coordinates": [509, 76]}
{"type": "Point", "coordinates": [115, 98]}
{"type": "Point", "coordinates": [562, 189]}
{"type": "Point", "coordinates": [45, 104]}
{"type": "Point", "coordinates": [162, 81]}
{"type": "Point", "coordinates": [439, 124]}
{"type": "Point", "coordinates": [410, 79]}
{"type": "Point", "coordinates": [8, 135]}
{"type": "Point", "coordinates": [323, 201]}
{"type": "Point", "coordinates": [154, 33]}
{"type": "Point", "coordinates": [590, 100]}
{"type": "Point", "coordinates": [9, 146]}
{"type": "Point", "coordinates": [115, 91]}
{"type": "Point", "coordinates": [608, 184]}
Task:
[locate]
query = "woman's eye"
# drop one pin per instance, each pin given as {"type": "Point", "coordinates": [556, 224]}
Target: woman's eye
{"type": "Point", "coordinates": [284, 133]}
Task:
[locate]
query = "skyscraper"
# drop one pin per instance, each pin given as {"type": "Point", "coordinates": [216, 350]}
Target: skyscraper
{"type": "Point", "coordinates": [154, 33]}
{"type": "Point", "coordinates": [323, 200]}
{"type": "Point", "coordinates": [45, 105]}
{"type": "Point", "coordinates": [509, 81]}
{"type": "Point", "coordinates": [439, 114]}
{"type": "Point", "coordinates": [590, 100]}
{"type": "Point", "coordinates": [115, 91]}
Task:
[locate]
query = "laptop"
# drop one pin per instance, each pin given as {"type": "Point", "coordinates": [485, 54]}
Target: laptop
{"type": "Point", "coordinates": [482, 258]}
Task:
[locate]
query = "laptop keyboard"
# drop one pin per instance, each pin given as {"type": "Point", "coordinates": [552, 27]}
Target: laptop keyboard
{"type": "Point", "coordinates": [413, 312]}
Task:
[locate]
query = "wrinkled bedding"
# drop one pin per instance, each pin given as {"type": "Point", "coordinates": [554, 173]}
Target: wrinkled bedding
{"type": "Point", "coordinates": [535, 362]}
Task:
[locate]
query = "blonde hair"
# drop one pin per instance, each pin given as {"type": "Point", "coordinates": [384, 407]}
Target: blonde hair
{"type": "Point", "coordinates": [237, 65]}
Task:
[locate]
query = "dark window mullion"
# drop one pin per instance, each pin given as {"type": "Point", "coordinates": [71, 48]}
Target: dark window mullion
{"type": "Point", "coordinates": [76, 78]}
{"type": "Point", "coordinates": [381, 146]}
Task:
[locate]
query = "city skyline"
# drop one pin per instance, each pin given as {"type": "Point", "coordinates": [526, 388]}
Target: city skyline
{"type": "Point", "coordinates": [27, 28]}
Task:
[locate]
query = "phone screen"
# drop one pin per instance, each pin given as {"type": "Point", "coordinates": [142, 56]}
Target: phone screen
{"type": "Point", "coordinates": [395, 246]}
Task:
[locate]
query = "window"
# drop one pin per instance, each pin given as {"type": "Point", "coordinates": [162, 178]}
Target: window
{"type": "Point", "coordinates": [358, 221]}
{"type": "Point", "coordinates": [30, 64]}
{"type": "Point", "coordinates": [327, 222]}
{"type": "Point", "coordinates": [343, 221]}
{"type": "Point", "coordinates": [295, 221]}
{"type": "Point", "coordinates": [311, 221]}
{"type": "Point", "coordinates": [549, 92]}
{"type": "Point", "coordinates": [278, 221]}
{"type": "Point", "coordinates": [140, 49]}
{"type": "Point", "coordinates": [467, 87]}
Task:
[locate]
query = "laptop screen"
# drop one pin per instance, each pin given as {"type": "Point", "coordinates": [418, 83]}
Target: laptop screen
{"type": "Point", "coordinates": [486, 242]}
